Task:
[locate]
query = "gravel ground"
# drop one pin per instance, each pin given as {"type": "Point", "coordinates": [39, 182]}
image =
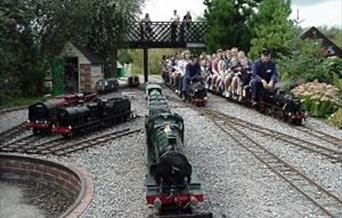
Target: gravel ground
{"type": "Point", "coordinates": [235, 183]}
{"type": "Point", "coordinates": [10, 119]}
{"type": "Point", "coordinates": [320, 169]}
{"type": "Point", "coordinates": [116, 168]}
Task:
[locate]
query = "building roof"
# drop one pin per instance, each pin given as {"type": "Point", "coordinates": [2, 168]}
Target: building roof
{"type": "Point", "coordinates": [331, 48]}
{"type": "Point", "coordinates": [91, 56]}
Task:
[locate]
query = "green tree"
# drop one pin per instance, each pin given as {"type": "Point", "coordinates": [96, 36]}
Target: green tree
{"type": "Point", "coordinates": [20, 65]}
{"type": "Point", "coordinates": [273, 29]}
{"type": "Point", "coordinates": [33, 32]}
{"type": "Point", "coordinates": [228, 23]}
{"type": "Point", "coordinates": [302, 65]}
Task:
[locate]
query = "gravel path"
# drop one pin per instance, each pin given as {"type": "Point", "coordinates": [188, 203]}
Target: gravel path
{"type": "Point", "coordinates": [237, 184]}
{"type": "Point", "coordinates": [323, 171]}
{"type": "Point", "coordinates": [10, 119]}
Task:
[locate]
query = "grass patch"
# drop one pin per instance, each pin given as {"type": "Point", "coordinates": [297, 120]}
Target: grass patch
{"type": "Point", "coordinates": [20, 101]}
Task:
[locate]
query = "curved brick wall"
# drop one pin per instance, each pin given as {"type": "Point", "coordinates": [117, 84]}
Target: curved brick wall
{"type": "Point", "coordinates": [73, 179]}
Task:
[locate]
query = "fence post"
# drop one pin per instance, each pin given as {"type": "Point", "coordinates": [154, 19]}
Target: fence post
{"type": "Point", "coordinates": [146, 64]}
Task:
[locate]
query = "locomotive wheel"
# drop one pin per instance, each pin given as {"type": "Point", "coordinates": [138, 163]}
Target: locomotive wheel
{"type": "Point", "coordinates": [298, 122]}
{"type": "Point", "coordinates": [36, 131]}
{"type": "Point", "coordinates": [68, 135]}
{"type": "Point", "coordinates": [269, 111]}
{"type": "Point", "coordinates": [278, 114]}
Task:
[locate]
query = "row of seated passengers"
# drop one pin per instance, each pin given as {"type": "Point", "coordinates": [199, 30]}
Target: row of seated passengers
{"type": "Point", "coordinates": [227, 71]}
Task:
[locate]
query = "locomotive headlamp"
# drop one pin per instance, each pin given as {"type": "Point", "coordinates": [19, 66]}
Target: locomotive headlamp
{"type": "Point", "coordinates": [167, 128]}
{"type": "Point", "coordinates": [69, 127]}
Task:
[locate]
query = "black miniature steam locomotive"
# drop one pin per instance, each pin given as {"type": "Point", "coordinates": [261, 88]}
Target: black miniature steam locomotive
{"type": "Point", "coordinates": [44, 113]}
{"type": "Point", "coordinates": [85, 117]}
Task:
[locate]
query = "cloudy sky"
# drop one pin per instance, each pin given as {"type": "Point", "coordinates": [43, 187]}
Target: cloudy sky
{"type": "Point", "coordinates": [313, 12]}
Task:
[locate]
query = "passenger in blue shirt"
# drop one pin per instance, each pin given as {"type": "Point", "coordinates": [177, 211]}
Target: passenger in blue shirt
{"type": "Point", "coordinates": [264, 75]}
{"type": "Point", "coordinates": [192, 73]}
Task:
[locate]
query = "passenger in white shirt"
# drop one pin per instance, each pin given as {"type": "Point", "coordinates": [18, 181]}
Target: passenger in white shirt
{"type": "Point", "coordinates": [182, 68]}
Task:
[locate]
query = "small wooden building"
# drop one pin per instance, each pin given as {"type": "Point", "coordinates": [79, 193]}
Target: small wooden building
{"type": "Point", "coordinates": [328, 48]}
{"type": "Point", "coordinates": [82, 68]}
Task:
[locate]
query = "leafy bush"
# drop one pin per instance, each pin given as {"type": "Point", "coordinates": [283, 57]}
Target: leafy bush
{"type": "Point", "coordinates": [306, 64]}
{"type": "Point", "coordinates": [336, 118]}
{"type": "Point", "coordinates": [319, 99]}
{"type": "Point", "coordinates": [337, 81]}
{"type": "Point", "coordinates": [318, 108]}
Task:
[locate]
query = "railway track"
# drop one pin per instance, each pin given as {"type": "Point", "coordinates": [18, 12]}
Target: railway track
{"type": "Point", "coordinates": [7, 110]}
{"type": "Point", "coordinates": [60, 146]}
{"type": "Point", "coordinates": [63, 150]}
{"type": "Point", "coordinates": [322, 135]}
{"type": "Point", "coordinates": [332, 153]}
{"type": "Point", "coordinates": [19, 142]}
{"type": "Point", "coordinates": [8, 134]}
{"type": "Point", "coordinates": [329, 203]}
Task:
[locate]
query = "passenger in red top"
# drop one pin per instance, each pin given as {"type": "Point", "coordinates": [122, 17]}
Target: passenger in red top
{"type": "Point", "coordinates": [214, 68]}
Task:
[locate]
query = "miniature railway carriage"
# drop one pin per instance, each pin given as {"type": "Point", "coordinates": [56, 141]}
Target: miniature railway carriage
{"type": "Point", "coordinates": [44, 113]}
{"type": "Point", "coordinates": [172, 186]}
{"type": "Point", "coordinates": [106, 85]}
{"type": "Point", "coordinates": [91, 115]}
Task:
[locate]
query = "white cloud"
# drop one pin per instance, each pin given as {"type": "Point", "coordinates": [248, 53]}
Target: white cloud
{"type": "Point", "coordinates": [326, 13]}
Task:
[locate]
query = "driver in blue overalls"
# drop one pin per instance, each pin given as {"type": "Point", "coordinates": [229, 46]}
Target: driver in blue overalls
{"type": "Point", "coordinates": [264, 75]}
